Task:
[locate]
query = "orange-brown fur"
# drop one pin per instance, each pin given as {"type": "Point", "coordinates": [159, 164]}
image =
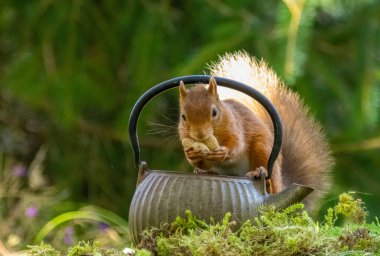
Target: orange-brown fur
{"type": "Point", "coordinates": [237, 129]}
{"type": "Point", "coordinates": [244, 129]}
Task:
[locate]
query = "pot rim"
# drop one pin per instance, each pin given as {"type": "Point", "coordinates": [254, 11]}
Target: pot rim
{"type": "Point", "coordinates": [203, 176]}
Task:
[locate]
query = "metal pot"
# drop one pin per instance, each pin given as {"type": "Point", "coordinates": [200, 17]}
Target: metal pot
{"type": "Point", "coordinates": [161, 196]}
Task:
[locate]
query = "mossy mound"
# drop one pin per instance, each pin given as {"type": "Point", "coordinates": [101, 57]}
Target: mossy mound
{"type": "Point", "coordinates": [288, 232]}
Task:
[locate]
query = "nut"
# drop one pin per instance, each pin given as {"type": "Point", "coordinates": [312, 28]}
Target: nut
{"type": "Point", "coordinates": [187, 143]}
{"type": "Point", "coordinates": [198, 146]}
{"type": "Point", "coordinates": [211, 142]}
{"type": "Point", "coordinates": [206, 145]}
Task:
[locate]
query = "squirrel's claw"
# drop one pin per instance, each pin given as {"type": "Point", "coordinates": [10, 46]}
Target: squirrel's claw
{"type": "Point", "coordinates": [195, 155]}
{"type": "Point", "coordinates": [199, 171]}
{"type": "Point", "coordinates": [219, 154]}
{"type": "Point", "coordinates": [256, 173]}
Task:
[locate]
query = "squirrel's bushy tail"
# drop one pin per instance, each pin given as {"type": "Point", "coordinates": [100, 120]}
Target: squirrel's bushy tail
{"type": "Point", "coordinates": [306, 155]}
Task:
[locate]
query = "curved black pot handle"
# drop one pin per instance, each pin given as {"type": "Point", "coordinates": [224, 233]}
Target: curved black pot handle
{"type": "Point", "coordinates": [204, 79]}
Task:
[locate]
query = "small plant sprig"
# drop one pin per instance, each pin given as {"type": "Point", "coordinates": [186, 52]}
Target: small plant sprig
{"type": "Point", "coordinates": [348, 207]}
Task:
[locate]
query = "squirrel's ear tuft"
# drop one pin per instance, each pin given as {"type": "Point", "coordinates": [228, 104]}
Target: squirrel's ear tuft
{"type": "Point", "coordinates": [212, 87]}
{"type": "Point", "coordinates": [182, 90]}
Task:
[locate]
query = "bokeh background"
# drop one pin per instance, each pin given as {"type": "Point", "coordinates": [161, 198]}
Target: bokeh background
{"type": "Point", "coordinates": [70, 72]}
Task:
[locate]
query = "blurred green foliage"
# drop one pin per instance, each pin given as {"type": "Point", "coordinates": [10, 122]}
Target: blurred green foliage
{"type": "Point", "coordinates": [70, 72]}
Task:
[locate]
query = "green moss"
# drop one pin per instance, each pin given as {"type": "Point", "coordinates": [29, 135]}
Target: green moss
{"type": "Point", "coordinates": [42, 250]}
{"type": "Point", "coordinates": [89, 248]}
{"type": "Point", "coordinates": [189, 223]}
{"type": "Point", "coordinates": [288, 232]}
{"type": "Point", "coordinates": [351, 208]}
{"type": "Point", "coordinates": [143, 252]}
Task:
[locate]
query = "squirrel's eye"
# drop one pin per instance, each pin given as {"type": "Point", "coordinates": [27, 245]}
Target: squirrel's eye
{"type": "Point", "coordinates": [214, 112]}
{"type": "Point", "coordinates": [183, 116]}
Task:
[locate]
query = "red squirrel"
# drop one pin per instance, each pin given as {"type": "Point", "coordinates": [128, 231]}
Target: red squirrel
{"type": "Point", "coordinates": [244, 130]}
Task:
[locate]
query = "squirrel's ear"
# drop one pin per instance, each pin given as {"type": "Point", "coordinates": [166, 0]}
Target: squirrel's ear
{"type": "Point", "coordinates": [212, 87]}
{"type": "Point", "coordinates": [182, 90]}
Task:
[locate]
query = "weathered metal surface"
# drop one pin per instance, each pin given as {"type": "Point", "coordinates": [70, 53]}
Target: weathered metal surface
{"type": "Point", "coordinates": [162, 196]}
{"type": "Point", "coordinates": [295, 193]}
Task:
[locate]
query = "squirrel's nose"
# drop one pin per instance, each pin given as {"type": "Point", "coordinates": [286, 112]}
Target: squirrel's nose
{"type": "Point", "coordinates": [202, 137]}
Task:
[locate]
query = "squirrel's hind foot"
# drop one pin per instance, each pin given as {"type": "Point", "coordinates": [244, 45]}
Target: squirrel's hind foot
{"type": "Point", "coordinates": [257, 173]}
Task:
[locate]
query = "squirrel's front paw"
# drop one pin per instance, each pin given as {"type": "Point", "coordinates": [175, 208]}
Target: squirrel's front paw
{"type": "Point", "coordinates": [256, 173]}
{"type": "Point", "coordinates": [219, 154]}
{"type": "Point", "coordinates": [196, 155]}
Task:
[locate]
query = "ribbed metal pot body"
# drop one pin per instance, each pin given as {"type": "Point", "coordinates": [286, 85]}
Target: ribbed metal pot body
{"type": "Point", "coordinates": [162, 196]}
